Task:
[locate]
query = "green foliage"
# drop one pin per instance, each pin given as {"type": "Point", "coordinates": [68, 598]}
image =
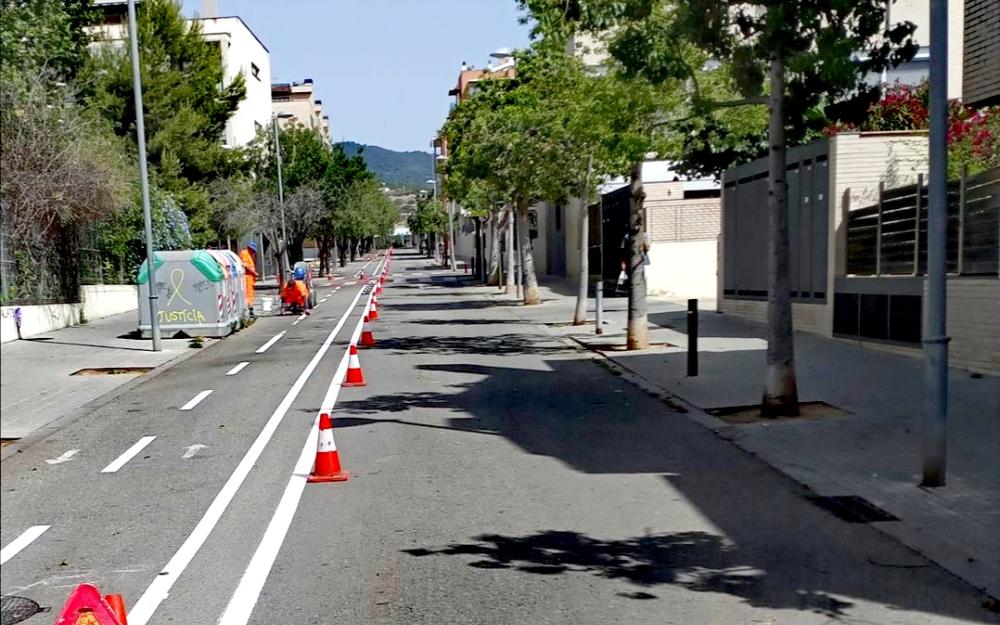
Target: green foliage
{"type": "Point", "coordinates": [44, 35]}
{"type": "Point", "coordinates": [721, 51]}
{"type": "Point", "coordinates": [186, 106]}
{"type": "Point", "coordinates": [429, 218]}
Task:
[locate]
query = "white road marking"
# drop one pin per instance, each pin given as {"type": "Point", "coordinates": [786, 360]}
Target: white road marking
{"type": "Point", "coordinates": [130, 453]}
{"type": "Point", "coordinates": [300, 318]}
{"type": "Point", "coordinates": [271, 341]}
{"type": "Point", "coordinates": [191, 450]}
{"type": "Point", "coordinates": [351, 283]}
{"type": "Point", "coordinates": [26, 538]}
{"type": "Point", "coordinates": [196, 400]}
{"type": "Point", "coordinates": [238, 368]}
{"type": "Point", "coordinates": [324, 299]}
{"type": "Point", "coordinates": [160, 587]}
{"type": "Point", "coordinates": [65, 457]}
{"type": "Point", "coordinates": [245, 597]}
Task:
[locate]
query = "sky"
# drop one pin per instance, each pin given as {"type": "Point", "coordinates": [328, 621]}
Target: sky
{"type": "Point", "coordinates": [383, 68]}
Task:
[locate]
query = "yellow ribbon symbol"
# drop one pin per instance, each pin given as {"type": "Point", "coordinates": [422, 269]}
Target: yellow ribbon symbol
{"type": "Point", "coordinates": [176, 280]}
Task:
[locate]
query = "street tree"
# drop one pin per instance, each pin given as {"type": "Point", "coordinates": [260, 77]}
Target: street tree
{"type": "Point", "coordinates": [807, 62]}
{"type": "Point", "coordinates": [187, 105]}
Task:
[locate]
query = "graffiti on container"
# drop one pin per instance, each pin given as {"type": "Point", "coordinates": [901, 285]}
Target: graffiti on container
{"type": "Point", "coordinates": [201, 286]}
{"type": "Point", "coordinates": [177, 316]}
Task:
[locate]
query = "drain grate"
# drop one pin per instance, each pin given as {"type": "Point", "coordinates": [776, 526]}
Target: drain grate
{"type": "Point", "coordinates": [13, 609]}
{"type": "Point", "coordinates": [113, 371]}
{"type": "Point", "coordinates": [852, 508]}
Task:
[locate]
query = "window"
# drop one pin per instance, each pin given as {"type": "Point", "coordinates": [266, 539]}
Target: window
{"type": "Point", "coordinates": [255, 71]}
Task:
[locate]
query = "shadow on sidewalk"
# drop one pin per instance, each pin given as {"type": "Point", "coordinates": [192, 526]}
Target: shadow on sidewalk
{"type": "Point", "coordinates": [774, 548]}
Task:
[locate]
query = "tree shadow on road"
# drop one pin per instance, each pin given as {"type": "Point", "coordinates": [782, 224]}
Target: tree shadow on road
{"type": "Point", "coordinates": [779, 551]}
{"type": "Point", "coordinates": [498, 344]}
{"type": "Point", "coordinates": [696, 561]}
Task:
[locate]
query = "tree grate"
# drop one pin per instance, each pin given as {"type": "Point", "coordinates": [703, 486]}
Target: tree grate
{"type": "Point", "coordinates": [852, 508]}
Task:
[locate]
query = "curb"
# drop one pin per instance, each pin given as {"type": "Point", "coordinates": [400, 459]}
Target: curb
{"type": "Point", "coordinates": [906, 535]}
{"type": "Point", "coordinates": [53, 426]}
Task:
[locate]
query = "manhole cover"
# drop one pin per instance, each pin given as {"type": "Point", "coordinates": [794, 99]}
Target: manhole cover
{"type": "Point", "coordinates": [112, 371]}
{"type": "Point", "coordinates": [852, 508]}
{"type": "Point", "coordinates": [16, 609]}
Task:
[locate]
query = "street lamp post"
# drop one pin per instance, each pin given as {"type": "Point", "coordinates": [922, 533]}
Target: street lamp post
{"type": "Point", "coordinates": [281, 192]}
{"type": "Point", "coordinates": [140, 131]}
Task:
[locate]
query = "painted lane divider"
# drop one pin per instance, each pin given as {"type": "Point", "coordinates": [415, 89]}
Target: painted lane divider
{"type": "Point", "coordinates": [238, 368]}
{"type": "Point", "coordinates": [196, 400]}
{"type": "Point", "coordinates": [130, 453]}
{"type": "Point", "coordinates": [159, 588]}
{"type": "Point", "coordinates": [27, 537]}
{"type": "Point", "coordinates": [271, 341]}
{"type": "Point", "coordinates": [65, 457]}
{"type": "Point", "coordinates": [245, 597]}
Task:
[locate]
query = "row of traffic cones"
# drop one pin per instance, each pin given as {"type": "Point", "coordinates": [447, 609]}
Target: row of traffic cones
{"type": "Point", "coordinates": [327, 466]}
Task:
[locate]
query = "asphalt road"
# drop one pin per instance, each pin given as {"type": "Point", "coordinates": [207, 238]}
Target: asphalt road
{"type": "Point", "coordinates": [497, 476]}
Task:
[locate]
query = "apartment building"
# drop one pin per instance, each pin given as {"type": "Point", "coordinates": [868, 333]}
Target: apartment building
{"type": "Point", "coordinates": [298, 99]}
{"type": "Point", "coordinates": [241, 51]}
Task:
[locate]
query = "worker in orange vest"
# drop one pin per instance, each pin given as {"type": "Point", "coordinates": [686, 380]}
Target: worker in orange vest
{"type": "Point", "coordinates": [247, 256]}
{"type": "Point", "coordinates": [295, 293]}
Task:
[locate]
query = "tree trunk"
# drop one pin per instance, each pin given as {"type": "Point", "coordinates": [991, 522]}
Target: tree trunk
{"type": "Point", "coordinates": [493, 279]}
{"type": "Point", "coordinates": [780, 393]}
{"type": "Point", "coordinates": [452, 208]}
{"type": "Point", "coordinates": [511, 282]}
{"type": "Point", "coordinates": [638, 326]}
{"type": "Point", "coordinates": [353, 245]}
{"type": "Point", "coordinates": [342, 251]}
{"type": "Point", "coordinates": [324, 256]}
{"type": "Point", "coordinates": [532, 295]}
{"type": "Point", "coordinates": [580, 315]}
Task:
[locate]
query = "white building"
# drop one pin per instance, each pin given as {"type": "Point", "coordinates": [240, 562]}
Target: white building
{"type": "Point", "coordinates": [298, 101]}
{"type": "Point", "coordinates": [240, 50]}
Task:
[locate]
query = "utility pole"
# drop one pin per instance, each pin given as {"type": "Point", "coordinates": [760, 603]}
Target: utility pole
{"type": "Point", "coordinates": [147, 216]}
{"type": "Point", "coordinates": [936, 339]}
{"type": "Point", "coordinates": [281, 200]}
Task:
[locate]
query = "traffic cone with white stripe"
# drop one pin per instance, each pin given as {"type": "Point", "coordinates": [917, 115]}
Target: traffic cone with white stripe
{"type": "Point", "coordinates": [373, 309]}
{"type": "Point", "coordinates": [327, 466]}
{"type": "Point", "coordinates": [354, 377]}
{"type": "Point", "coordinates": [367, 338]}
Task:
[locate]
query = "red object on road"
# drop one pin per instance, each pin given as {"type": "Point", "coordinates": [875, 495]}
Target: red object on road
{"type": "Point", "coordinates": [367, 338]}
{"type": "Point", "coordinates": [361, 276]}
{"type": "Point", "coordinates": [327, 466]}
{"type": "Point", "coordinates": [373, 309]}
{"type": "Point", "coordinates": [86, 606]}
{"type": "Point", "coordinates": [354, 377]}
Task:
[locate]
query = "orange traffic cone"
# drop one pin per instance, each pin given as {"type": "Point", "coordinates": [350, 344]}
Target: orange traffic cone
{"type": "Point", "coordinates": [361, 276]}
{"type": "Point", "coordinates": [355, 377]}
{"type": "Point", "coordinates": [327, 466]}
{"type": "Point", "coordinates": [373, 309]}
{"type": "Point", "coordinates": [378, 286]}
{"type": "Point", "coordinates": [117, 605]}
{"type": "Point", "coordinates": [367, 338]}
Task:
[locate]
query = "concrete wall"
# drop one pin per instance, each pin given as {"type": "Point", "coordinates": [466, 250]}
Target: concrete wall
{"type": "Point", "coordinates": [97, 301]}
{"type": "Point", "coordinates": [974, 323]}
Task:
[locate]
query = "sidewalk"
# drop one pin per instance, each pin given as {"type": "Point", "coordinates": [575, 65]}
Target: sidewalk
{"type": "Point", "coordinates": [869, 448]}
{"type": "Point", "coordinates": [36, 382]}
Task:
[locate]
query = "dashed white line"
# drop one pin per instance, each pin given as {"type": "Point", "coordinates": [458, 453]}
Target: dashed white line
{"type": "Point", "coordinates": [271, 341]}
{"type": "Point", "coordinates": [27, 537]}
{"type": "Point", "coordinates": [196, 400]}
{"type": "Point", "coordinates": [238, 368]}
{"type": "Point", "coordinates": [130, 453]}
{"type": "Point", "coordinates": [160, 587]}
{"type": "Point", "coordinates": [65, 457]}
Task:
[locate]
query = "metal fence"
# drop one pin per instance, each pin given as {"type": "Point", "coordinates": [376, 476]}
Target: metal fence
{"type": "Point", "coordinates": [53, 274]}
{"type": "Point", "coordinates": [890, 237]}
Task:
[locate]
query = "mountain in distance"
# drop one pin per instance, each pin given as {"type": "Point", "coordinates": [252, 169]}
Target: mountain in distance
{"type": "Point", "coordinates": [397, 170]}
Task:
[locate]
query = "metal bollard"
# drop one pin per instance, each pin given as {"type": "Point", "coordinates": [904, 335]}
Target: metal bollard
{"type": "Point", "coordinates": [692, 331]}
{"type": "Point", "coordinates": [599, 304]}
